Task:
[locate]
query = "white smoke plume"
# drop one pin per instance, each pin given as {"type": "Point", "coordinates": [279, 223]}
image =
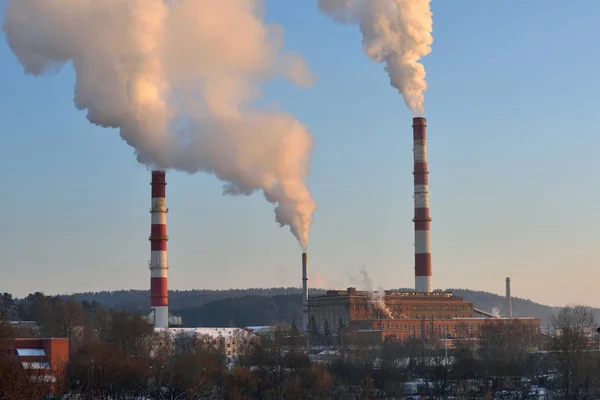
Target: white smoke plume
{"type": "Point", "coordinates": [376, 297]}
{"type": "Point", "coordinates": [395, 32]}
{"type": "Point", "coordinates": [496, 311]}
{"type": "Point", "coordinates": [180, 79]}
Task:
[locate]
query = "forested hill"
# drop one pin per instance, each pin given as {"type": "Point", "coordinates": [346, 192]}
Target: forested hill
{"type": "Point", "coordinates": [137, 300]}
{"type": "Point", "coordinates": [256, 306]}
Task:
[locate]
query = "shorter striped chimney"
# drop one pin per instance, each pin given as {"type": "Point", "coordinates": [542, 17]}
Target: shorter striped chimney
{"type": "Point", "coordinates": [159, 300]}
{"type": "Point", "coordinates": [422, 219]}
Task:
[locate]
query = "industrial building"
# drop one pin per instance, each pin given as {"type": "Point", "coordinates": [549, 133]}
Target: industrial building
{"type": "Point", "coordinates": [228, 341]}
{"type": "Point", "coordinates": [404, 315]}
{"type": "Point", "coordinates": [422, 313]}
{"type": "Point", "coordinates": [398, 315]}
{"type": "Point", "coordinates": [44, 360]}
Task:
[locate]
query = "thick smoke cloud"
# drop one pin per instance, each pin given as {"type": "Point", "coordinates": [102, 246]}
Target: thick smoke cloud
{"type": "Point", "coordinates": [395, 32]}
{"type": "Point", "coordinates": [179, 79]}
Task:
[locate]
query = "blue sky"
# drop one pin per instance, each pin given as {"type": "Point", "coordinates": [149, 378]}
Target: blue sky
{"type": "Point", "coordinates": [513, 142]}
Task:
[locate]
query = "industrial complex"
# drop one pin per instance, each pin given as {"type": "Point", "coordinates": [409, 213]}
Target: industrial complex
{"type": "Point", "coordinates": [422, 313]}
{"type": "Point", "coordinates": [392, 315]}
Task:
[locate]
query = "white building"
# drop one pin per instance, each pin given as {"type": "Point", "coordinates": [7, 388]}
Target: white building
{"type": "Point", "coordinates": [229, 340]}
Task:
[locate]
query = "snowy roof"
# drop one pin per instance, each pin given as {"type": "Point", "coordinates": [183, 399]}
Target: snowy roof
{"type": "Point", "coordinates": [212, 332]}
{"type": "Point", "coordinates": [260, 329]}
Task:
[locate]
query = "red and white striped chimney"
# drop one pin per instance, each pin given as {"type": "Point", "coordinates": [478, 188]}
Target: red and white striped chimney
{"type": "Point", "coordinates": [422, 219]}
{"type": "Point", "coordinates": [159, 300]}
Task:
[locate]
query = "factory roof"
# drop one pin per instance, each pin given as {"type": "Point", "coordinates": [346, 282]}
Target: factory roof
{"type": "Point", "coordinates": [409, 295]}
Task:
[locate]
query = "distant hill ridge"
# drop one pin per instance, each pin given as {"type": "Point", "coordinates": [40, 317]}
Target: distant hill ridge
{"type": "Point", "coordinates": [257, 306]}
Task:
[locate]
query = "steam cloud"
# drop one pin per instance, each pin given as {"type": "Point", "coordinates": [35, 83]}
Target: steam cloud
{"type": "Point", "coordinates": [180, 80]}
{"type": "Point", "coordinates": [395, 32]}
{"type": "Point", "coordinates": [377, 297]}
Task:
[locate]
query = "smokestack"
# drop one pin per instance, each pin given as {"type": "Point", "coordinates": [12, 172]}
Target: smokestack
{"type": "Point", "coordinates": [508, 298]}
{"type": "Point", "coordinates": [304, 293]}
{"type": "Point", "coordinates": [159, 300]}
{"type": "Point", "coordinates": [422, 219]}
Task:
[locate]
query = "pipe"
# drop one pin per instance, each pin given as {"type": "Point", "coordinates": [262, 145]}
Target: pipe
{"type": "Point", "coordinates": [159, 298]}
{"type": "Point", "coordinates": [304, 293]}
{"type": "Point", "coordinates": [422, 219]}
{"type": "Point", "coordinates": [508, 298]}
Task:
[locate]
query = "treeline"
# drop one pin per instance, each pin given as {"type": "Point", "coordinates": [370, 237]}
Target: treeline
{"type": "Point", "coordinates": [65, 318]}
{"type": "Point", "coordinates": [137, 300]}
{"type": "Point", "coordinates": [190, 304]}
{"type": "Point", "coordinates": [247, 307]}
{"type": "Point", "coordinates": [118, 356]}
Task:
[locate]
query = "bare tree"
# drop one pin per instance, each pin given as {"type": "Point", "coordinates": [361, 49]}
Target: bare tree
{"type": "Point", "coordinates": [502, 356]}
{"type": "Point", "coordinates": [577, 364]}
{"type": "Point", "coordinates": [18, 383]}
{"type": "Point", "coordinates": [6, 330]}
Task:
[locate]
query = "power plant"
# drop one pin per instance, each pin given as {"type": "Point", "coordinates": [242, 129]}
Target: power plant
{"type": "Point", "coordinates": [395, 314]}
{"type": "Point", "coordinates": [406, 315]}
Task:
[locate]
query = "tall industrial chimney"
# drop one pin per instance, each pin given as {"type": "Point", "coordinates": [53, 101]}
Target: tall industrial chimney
{"type": "Point", "coordinates": [304, 293]}
{"type": "Point", "coordinates": [508, 298]}
{"type": "Point", "coordinates": [422, 219]}
{"type": "Point", "coordinates": [159, 300]}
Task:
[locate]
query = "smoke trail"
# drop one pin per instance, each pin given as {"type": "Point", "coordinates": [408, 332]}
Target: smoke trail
{"type": "Point", "coordinates": [376, 297]}
{"type": "Point", "coordinates": [180, 79]}
{"type": "Point", "coordinates": [395, 32]}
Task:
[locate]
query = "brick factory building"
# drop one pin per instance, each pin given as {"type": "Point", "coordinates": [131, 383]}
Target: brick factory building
{"type": "Point", "coordinates": [44, 359]}
{"type": "Point", "coordinates": [405, 315]}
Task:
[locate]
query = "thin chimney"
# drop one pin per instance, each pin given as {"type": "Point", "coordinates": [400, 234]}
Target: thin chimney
{"type": "Point", "coordinates": [304, 293]}
{"type": "Point", "coordinates": [508, 298]}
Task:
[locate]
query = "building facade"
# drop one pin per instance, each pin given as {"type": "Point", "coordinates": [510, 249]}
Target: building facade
{"type": "Point", "coordinates": [44, 359]}
{"type": "Point", "coordinates": [402, 315]}
{"type": "Point", "coordinates": [229, 341]}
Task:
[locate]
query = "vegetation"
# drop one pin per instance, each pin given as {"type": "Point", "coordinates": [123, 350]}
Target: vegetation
{"type": "Point", "coordinates": [236, 307]}
{"type": "Point", "coordinates": [115, 355]}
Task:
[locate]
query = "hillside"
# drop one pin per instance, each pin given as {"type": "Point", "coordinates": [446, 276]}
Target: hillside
{"type": "Point", "coordinates": [257, 306]}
